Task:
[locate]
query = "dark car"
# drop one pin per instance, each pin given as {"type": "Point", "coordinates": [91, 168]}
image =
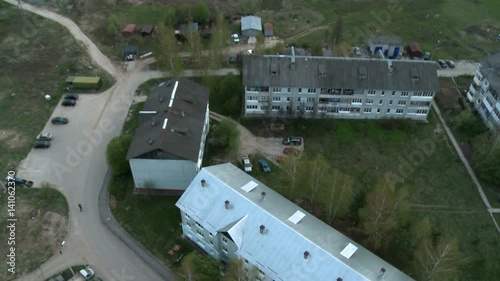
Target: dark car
{"type": "Point", "coordinates": [292, 140]}
{"type": "Point", "coordinates": [71, 97]}
{"type": "Point", "coordinates": [42, 144]}
{"type": "Point", "coordinates": [59, 120]}
{"type": "Point", "coordinates": [264, 166]}
{"type": "Point", "coordinates": [68, 103]}
{"type": "Point", "coordinates": [450, 63]}
{"type": "Point", "coordinates": [442, 63]}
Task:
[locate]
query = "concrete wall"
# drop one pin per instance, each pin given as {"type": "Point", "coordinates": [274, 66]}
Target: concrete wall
{"type": "Point", "coordinates": [163, 174]}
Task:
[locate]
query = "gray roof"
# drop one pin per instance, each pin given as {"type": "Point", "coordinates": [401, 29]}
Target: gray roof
{"type": "Point", "coordinates": [341, 72]}
{"type": "Point", "coordinates": [181, 137]}
{"type": "Point", "coordinates": [280, 250]}
{"type": "Point", "coordinates": [385, 40]}
{"type": "Point", "coordinates": [490, 68]}
{"type": "Point", "coordinates": [251, 22]}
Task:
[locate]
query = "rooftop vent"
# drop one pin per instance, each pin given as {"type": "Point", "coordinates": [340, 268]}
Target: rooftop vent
{"type": "Point", "coordinates": [227, 204]}
{"type": "Point", "coordinates": [349, 250]}
{"type": "Point", "coordinates": [153, 122]}
{"type": "Point", "coordinates": [322, 70]}
{"type": "Point", "coordinates": [362, 72]}
{"type": "Point", "coordinates": [150, 141]}
{"type": "Point", "coordinates": [161, 99]}
{"type": "Point", "coordinates": [296, 217]}
{"type": "Point", "coordinates": [382, 272]}
{"type": "Point", "coordinates": [180, 130]}
{"type": "Point", "coordinates": [262, 228]}
{"type": "Point", "coordinates": [415, 76]}
{"type": "Point", "coordinates": [306, 255]}
{"type": "Point", "coordinates": [182, 114]}
{"type": "Point", "coordinates": [390, 66]}
{"type": "Point", "coordinates": [262, 195]}
{"type": "Point", "coordinates": [249, 186]}
{"type": "Point", "coordinates": [190, 101]}
{"type": "Point", "coordinates": [203, 183]}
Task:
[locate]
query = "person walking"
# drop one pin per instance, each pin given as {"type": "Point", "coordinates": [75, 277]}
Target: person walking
{"type": "Point", "coordinates": [80, 206]}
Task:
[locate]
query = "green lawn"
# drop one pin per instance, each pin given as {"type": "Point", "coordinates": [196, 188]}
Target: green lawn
{"type": "Point", "coordinates": [35, 61]}
{"type": "Point", "coordinates": [36, 239]}
{"type": "Point", "coordinates": [367, 151]}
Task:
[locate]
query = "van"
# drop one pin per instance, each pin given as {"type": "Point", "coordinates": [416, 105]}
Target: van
{"type": "Point", "coordinates": [292, 140]}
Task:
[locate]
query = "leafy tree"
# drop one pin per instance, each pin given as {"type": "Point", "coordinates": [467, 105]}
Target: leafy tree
{"type": "Point", "coordinates": [231, 90]}
{"type": "Point", "coordinates": [166, 51]}
{"type": "Point", "coordinates": [170, 18]}
{"type": "Point", "coordinates": [338, 193]}
{"type": "Point", "coordinates": [316, 171]}
{"type": "Point", "coordinates": [218, 41]}
{"type": "Point", "coordinates": [468, 124]}
{"type": "Point", "coordinates": [438, 261]}
{"type": "Point", "coordinates": [112, 25]}
{"type": "Point", "coordinates": [227, 135]}
{"type": "Point", "coordinates": [116, 154]}
{"type": "Point", "coordinates": [421, 231]}
{"type": "Point", "coordinates": [201, 12]}
{"type": "Point", "coordinates": [236, 271]}
{"type": "Point", "coordinates": [197, 267]}
{"type": "Point", "coordinates": [196, 48]}
{"type": "Point", "coordinates": [381, 214]}
{"type": "Point", "coordinates": [487, 166]}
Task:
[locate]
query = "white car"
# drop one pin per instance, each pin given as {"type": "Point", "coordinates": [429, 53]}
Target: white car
{"type": "Point", "coordinates": [236, 38]}
{"type": "Point", "coordinates": [87, 273]}
{"type": "Point", "coordinates": [247, 165]}
{"type": "Point", "coordinates": [44, 137]}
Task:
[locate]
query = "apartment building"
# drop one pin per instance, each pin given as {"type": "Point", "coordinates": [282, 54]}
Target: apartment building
{"type": "Point", "coordinates": [351, 88]}
{"type": "Point", "coordinates": [231, 215]}
{"type": "Point", "coordinates": [484, 89]}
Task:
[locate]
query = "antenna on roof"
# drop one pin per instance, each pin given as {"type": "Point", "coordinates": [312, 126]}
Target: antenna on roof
{"type": "Point", "coordinates": [150, 141]}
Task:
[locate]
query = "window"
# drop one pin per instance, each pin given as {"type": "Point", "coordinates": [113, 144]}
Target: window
{"type": "Point", "coordinates": [489, 101]}
{"type": "Point", "coordinates": [224, 249]}
{"type": "Point", "coordinates": [356, 100]}
{"type": "Point", "coordinates": [321, 109]}
{"type": "Point", "coordinates": [404, 94]}
{"type": "Point", "coordinates": [311, 90]}
{"type": "Point", "coordinates": [393, 93]}
{"type": "Point", "coordinates": [187, 216]}
{"type": "Point", "coordinates": [211, 242]}
{"type": "Point", "coordinates": [371, 92]}
{"type": "Point", "coordinates": [199, 225]}
{"type": "Point", "coordinates": [390, 102]}
{"type": "Point", "coordinates": [367, 110]}
{"type": "Point", "coordinates": [276, 107]}
{"type": "Point", "coordinates": [289, 90]}
{"type": "Point", "coordinates": [251, 98]}
{"type": "Point", "coordinates": [402, 102]}
{"type": "Point", "coordinates": [378, 110]}
{"type": "Point", "coordinates": [224, 239]}
{"type": "Point", "coordinates": [399, 111]}
{"type": "Point", "coordinates": [287, 99]}
{"type": "Point", "coordinates": [261, 272]}
{"type": "Point", "coordinates": [388, 111]}
{"type": "Point", "coordinates": [277, 90]}
{"type": "Point", "coordinates": [263, 99]}
{"type": "Point", "coordinates": [252, 107]}
{"type": "Point", "coordinates": [310, 99]}
{"type": "Point", "coordinates": [189, 225]}
{"type": "Point", "coordinates": [298, 99]}
{"type": "Point", "coordinates": [369, 101]}
{"type": "Point", "coordinates": [380, 101]}
{"type": "Point", "coordinates": [309, 108]}
{"type": "Point", "coordinates": [383, 93]}
{"type": "Point", "coordinates": [210, 234]}
{"type": "Point", "coordinates": [276, 98]}
{"type": "Point", "coordinates": [200, 233]}
{"type": "Point", "coordinates": [300, 90]}
{"type": "Point", "coordinates": [422, 111]}
{"type": "Point", "coordinates": [246, 261]}
{"type": "Point", "coordinates": [344, 110]}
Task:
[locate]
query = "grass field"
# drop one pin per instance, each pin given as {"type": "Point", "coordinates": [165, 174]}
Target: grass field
{"type": "Point", "coordinates": [439, 186]}
{"type": "Point", "coordinates": [36, 239]}
{"type": "Point", "coordinates": [36, 60]}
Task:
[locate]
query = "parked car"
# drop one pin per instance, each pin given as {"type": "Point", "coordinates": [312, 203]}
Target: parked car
{"type": "Point", "coordinates": [42, 144]}
{"type": "Point", "coordinates": [442, 63]}
{"type": "Point", "coordinates": [59, 120]}
{"type": "Point", "coordinates": [357, 51]}
{"type": "Point", "coordinates": [264, 166]}
{"type": "Point", "coordinates": [291, 150]}
{"type": "Point", "coordinates": [68, 102]}
{"type": "Point", "coordinates": [87, 273]}
{"type": "Point", "coordinates": [427, 56]}
{"type": "Point", "coordinates": [236, 38]}
{"type": "Point", "coordinates": [292, 140]}
{"type": "Point", "coordinates": [450, 63]}
{"type": "Point", "coordinates": [71, 97]}
{"type": "Point", "coordinates": [44, 137]}
{"type": "Point", "coordinates": [247, 165]}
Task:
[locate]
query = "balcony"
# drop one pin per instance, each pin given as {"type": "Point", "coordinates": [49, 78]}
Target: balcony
{"type": "Point", "coordinates": [476, 81]}
{"type": "Point", "coordinates": [421, 98]}
{"type": "Point", "coordinates": [487, 105]}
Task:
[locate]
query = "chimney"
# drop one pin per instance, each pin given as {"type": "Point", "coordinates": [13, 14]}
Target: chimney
{"type": "Point", "coordinates": [339, 279]}
{"type": "Point", "coordinates": [382, 272]}
{"type": "Point", "coordinates": [182, 113]}
{"type": "Point", "coordinates": [150, 140]}
{"type": "Point", "coordinates": [203, 183]}
{"type": "Point", "coordinates": [293, 55]}
{"type": "Point", "coordinates": [161, 99]}
{"type": "Point", "coordinates": [227, 204]}
{"type": "Point", "coordinates": [262, 228]}
{"type": "Point", "coordinates": [262, 195]}
{"type": "Point", "coordinates": [152, 122]}
{"type": "Point", "coordinates": [306, 255]}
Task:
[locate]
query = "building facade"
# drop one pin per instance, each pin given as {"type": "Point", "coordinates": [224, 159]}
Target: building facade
{"type": "Point", "coordinates": [167, 148]}
{"type": "Point", "coordinates": [232, 216]}
{"type": "Point", "coordinates": [484, 91]}
{"type": "Point", "coordinates": [326, 87]}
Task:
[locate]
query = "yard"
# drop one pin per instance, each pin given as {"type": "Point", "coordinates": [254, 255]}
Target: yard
{"type": "Point", "coordinates": [34, 62]}
{"type": "Point", "coordinates": [438, 184]}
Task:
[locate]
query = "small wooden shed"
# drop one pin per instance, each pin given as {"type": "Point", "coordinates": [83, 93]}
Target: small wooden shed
{"type": "Point", "coordinates": [268, 29]}
{"type": "Point", "coordinates": [414, 50]}
{"type": "Point", "coordinates": [147, 30]}
{"type": "Point", "coordinates": [129, 30]}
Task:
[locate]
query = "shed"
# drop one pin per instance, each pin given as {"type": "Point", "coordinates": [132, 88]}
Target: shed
{"type": "Point", "coordinates": [130, 53]}
{"type": "Point", "coordinates": [129, 30]}
{"type": "Point", "coordinates": [83, 82]}
{"type": "Point", "coordinates": [268, 29]}
{"type": "Point", "coordinates": [251, 26]}
{"type": "Point", "coordinates": [147, 30]}
{"type": "Point", "coordinates": [390, 46]}
{"type": "Point", "coordinates": [414, 50]}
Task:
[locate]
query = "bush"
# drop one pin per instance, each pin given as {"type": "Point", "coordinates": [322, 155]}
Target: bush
{"type": "Point", "coordinates": [227, 135]}
{"type": "Point", "coordinates": [116, 154]}
{"type": "Point", "coordinates": [468, 124]}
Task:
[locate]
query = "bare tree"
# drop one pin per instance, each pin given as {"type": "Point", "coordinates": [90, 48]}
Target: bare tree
{"type": "Point", "coordinates": [166, 50]}
{"type": "Point", "coordinates": [317, 169]}
{"type": "Point", "coordinates": [381, 214]}
{"type": "Point", "coordinates": [291, 168]}
{"type": "Point", "coordinates": [196, 48]}
{"type": "Point", "coordinates": [218, 41]}
{"type": "Point", "coordinates": [439, 261]}
{"type": "Point", "coordinates": [339, 195]}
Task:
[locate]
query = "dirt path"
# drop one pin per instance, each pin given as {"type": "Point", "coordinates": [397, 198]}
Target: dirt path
{"type": "Point", "coordinates": [320, 27]}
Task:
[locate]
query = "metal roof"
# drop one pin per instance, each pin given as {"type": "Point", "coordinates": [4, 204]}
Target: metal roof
{"type": "Point", "coordinates": [251, 22]}
{"type": "Point", "coordinates": [171, 122]}
{"type": "Point", "coordinates": [490, 68]}
{"type": "Point", "coordinates": [281, 249]}
{"type": "Point", "coordinates": [341, 72]}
